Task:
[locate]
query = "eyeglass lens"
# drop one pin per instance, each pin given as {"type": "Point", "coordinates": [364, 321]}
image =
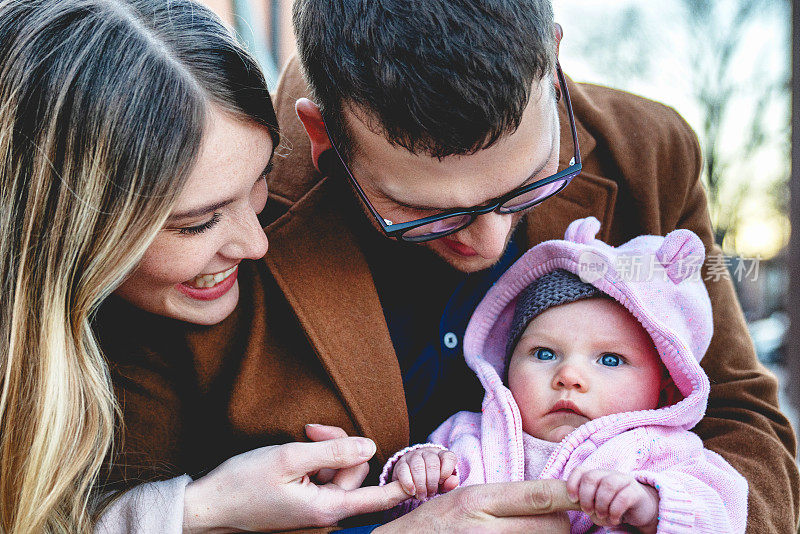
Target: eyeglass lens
{"type": "Point", "coordinates": [535, 196]}
{"type": "Point", "coordinates": [437, 228]}
{"type": "Point", "coordinates": [520, 202]}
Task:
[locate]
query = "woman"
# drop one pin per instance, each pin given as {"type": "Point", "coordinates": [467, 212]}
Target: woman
{"type": "Point", "coordinates": [135, 136]}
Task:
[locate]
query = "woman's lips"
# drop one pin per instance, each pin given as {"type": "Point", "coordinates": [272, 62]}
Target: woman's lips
{"type": "Point", "coordinates": [209, 286]}
{"type": "Point", "coordinates": [458, 247]}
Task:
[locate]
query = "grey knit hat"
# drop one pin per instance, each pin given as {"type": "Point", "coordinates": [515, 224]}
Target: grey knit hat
{"type": "Point", "coordinates": [552, 289]}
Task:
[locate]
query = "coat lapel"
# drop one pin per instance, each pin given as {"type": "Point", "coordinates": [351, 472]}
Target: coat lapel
{"type": "Point", "coordinates": [588, 194]}
{"type": "Point", "coordinates": [327, 282]}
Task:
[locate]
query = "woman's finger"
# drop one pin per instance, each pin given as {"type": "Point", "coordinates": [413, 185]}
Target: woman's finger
{"type": "Point", "coordinates": [530, 497]}
{"type": "Point", "coordinates": [294, 460]}
{"type": "Point", "coordinates": [351, 478]}
{"type": "Point", "coordinates": [367, 499]}
{"type": "Point", "coordinates": [316, 432]}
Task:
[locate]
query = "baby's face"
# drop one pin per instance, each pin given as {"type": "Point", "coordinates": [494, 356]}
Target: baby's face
{"type": "Point", "coordinates": [580, 361]}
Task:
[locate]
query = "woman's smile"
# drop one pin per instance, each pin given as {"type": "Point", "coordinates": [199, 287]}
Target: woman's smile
{"type": "Point", "coordinates": [210, 280]}
{"type": "Point", "coordinates": [209, 286]}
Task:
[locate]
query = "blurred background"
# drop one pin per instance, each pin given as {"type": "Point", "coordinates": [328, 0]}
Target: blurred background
{"type": "Point", "coordinates": [725, 66]}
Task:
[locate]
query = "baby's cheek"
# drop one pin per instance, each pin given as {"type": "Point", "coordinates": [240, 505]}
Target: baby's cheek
{"type": "Point", "coordinates": [641, 396]}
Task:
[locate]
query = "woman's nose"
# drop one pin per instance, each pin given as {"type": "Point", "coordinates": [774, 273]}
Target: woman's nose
{"type": "Point", "coordinates": [570, 377]}
{"type": "Point", "coordinates": [247, 240]}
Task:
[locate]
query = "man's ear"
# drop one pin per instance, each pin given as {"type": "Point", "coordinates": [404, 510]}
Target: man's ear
{"type": "Point", "coordinates": [308, 113]}
{"type": "Point", "coordinates": [559, 33]}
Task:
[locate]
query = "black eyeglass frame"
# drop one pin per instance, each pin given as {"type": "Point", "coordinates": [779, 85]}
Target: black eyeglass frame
{"type": "Point", "coordinates": [397, 230]}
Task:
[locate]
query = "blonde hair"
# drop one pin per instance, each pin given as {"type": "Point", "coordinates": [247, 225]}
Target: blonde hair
{"type": "Point", "coordinates": [102, 104]}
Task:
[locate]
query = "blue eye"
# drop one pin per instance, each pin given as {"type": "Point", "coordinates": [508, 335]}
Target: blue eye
{"type": "Point", "coordinates": [611, 360]}
{"type": "Point", "coordinates": [544, 354]}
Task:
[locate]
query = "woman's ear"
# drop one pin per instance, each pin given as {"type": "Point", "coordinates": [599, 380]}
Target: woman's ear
{"type": "Point", "coordinates": [309, 114]}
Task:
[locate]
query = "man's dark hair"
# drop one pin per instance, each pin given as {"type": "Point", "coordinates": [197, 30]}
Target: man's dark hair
{"type": "Point", "coordinates": [437, 77]}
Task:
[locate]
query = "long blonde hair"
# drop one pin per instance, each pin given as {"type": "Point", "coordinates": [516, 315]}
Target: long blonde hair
{"type": "Point", "coordinates": [102, 104]}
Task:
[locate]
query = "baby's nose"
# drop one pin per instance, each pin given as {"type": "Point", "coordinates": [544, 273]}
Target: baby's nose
{"type": "Point", "coordinates": [570, 377]}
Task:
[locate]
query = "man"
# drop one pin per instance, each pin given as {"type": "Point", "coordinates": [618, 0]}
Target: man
{"type": "Point", "coordinates": [441, 105]}
{"type": "Point", "coordinates": [418, 110]}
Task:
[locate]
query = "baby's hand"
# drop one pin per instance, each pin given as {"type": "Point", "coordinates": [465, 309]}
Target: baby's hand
{"type": "Point", "coordinates": [611, 498]}
{"type": "Point", "coordinates": [425, 471]}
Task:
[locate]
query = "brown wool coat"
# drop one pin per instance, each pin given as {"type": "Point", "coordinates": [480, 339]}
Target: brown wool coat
{"type": "Point", "coordinates": [308, 341]}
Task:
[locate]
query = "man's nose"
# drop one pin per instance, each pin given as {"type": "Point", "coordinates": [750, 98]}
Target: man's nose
{"type": "Point", "coordinates": [569, 376]}
{"type": "Point", "coordinates": [488, 234]}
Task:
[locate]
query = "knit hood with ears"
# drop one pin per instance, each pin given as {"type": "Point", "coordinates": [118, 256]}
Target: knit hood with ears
{"type": "Point", "coordinates": [656, 278]}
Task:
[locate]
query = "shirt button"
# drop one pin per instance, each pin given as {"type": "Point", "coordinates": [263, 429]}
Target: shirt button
{"type": "Point", "coordinates": [450, 340]}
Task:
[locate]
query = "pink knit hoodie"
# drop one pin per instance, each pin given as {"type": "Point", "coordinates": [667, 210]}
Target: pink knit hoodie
{"type": "Point", "coordinates": [658, 280]}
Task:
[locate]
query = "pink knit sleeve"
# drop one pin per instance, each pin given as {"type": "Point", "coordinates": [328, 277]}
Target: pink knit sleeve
{"type": "Point", "coordinates": [459, 434]}
{"type": "Point", "coordinates": [699, 492]}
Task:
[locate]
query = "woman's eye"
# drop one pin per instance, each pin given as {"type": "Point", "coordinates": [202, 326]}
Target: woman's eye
{"type": "Point", "coordinates": [544, 354]}
{"type": "Point", "coordinates": [200, 228]}
{"type": "Point", "coordinates": [611, 360]}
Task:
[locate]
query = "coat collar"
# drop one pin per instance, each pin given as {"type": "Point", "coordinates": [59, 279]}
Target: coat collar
{"type": "Point", "coordinates": [325, 278]}
{"type": "Point", "coordinates": [588, 194]}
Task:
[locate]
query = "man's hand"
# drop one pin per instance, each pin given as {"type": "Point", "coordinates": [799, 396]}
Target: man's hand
{"type": "Point", "coordinates": [611, 498]}
{"type": "Point", "coordinates": [426, 471]}
{"type": "Point", "coordinates": [531, 506]}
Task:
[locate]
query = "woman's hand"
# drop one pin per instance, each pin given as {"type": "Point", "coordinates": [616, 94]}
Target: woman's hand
{"type": "Point", "coordinates": [289, 486]}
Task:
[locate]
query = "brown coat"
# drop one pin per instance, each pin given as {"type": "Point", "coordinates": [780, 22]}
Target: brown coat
{"type": "Point", "coordinates": [308, 341]}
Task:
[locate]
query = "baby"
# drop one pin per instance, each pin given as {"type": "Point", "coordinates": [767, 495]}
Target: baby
{"type": "Point", "coordinates": [590, 359]}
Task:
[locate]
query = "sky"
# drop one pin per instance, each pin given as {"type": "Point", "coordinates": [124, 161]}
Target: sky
{"type": "Point", "coordinates": [662, 49]}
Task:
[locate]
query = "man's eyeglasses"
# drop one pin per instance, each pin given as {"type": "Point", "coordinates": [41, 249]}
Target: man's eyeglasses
{"type": "Point", "coordinates": [453, 220]}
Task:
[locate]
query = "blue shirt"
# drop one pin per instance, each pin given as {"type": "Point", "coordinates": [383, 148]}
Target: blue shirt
{"type": "Point", "coordinates": [427, 313]}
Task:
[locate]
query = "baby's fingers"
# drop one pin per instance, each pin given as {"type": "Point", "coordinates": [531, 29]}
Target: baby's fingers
{"type": "Point", "coordinates": [573, 482]}
{"type": "Point", "coordinates": [449, 461]}
{"type": "Point", "coordinates": [609, 487]}
{"type": "Point", "coordinates": [420, 475]}
{"type": "Point", "coordinates": [587, 489]}
{"type": "Point", "coordinates": [450, 483]}
{"type": "Point", "coordinates": [623, 502]}
{"type": "Point", "coordinates": [433, 472]}
{"type": "Point", "coordinates": [402, 474]}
